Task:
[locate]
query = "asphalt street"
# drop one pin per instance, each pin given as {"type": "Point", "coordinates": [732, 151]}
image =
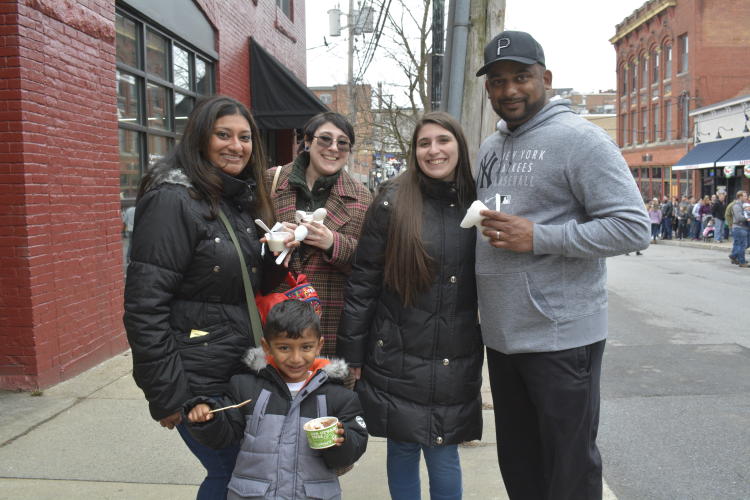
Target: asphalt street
{"type": "Point", "coordinates": [676, 376]}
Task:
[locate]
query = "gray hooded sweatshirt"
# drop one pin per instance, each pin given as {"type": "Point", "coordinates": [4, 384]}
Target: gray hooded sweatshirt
{"type": "Point", "coordinates": [567, 176]}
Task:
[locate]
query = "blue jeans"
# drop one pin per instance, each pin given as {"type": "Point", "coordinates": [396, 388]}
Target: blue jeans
{"type": "Point", "coordinates": [219, 465]}
{"type": "Point", "coordinates": [655, 230]}
{"type": "Point", "coordinates": [666, 228]}
{"type": "Point", "coordinates": [695, 229]}
{"type": "Point", "coordinates": [740, 237]}
{"type": "Point", "coordinates": [718, 229]}
{"type": "Point", "coordinates": [443, 469]}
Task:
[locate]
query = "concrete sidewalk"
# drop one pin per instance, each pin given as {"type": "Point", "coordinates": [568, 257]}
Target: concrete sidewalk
{"type": "Point", "coordinates": [91, 437]}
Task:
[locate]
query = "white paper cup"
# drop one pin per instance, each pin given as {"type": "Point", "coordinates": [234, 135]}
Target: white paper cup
{"type": "Point", "coordinates": [275, 240]}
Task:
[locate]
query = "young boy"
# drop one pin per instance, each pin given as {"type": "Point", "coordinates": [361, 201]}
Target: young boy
{"type": "Point", "coordinates": [288, 385]}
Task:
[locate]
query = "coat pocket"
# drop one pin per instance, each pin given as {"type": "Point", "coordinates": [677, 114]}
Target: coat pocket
{"type": "Point", "coordinates": [324, 490]}
{"type": "Point", "coordinates": [386, 347]}
{"type": "Point", "coordinates": [513, 308]}
{"type": "Point", "coordinates": [247, 488]}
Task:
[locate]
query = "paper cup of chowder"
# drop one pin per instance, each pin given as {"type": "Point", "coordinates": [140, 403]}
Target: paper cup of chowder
{"type": "Point", "coordinates": [321, 432]}
{"type": "Point", "coordinates": [275, 240]}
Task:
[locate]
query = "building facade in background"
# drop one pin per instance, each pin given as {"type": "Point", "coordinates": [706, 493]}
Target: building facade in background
{"type": "Point", "coordinates": [722, 146]}
{"type": "Point", "coordinates": [673, 57]}
{"type": "Point", "coordinates": [93, 93]}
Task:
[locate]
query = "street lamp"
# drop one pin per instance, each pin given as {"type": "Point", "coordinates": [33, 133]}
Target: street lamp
{"type": "Point", "coordinates": [718, 132]}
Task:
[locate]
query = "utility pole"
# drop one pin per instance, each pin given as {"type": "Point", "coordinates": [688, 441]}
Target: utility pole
{"type": "Point", "coordinates": [438, 51]}
{"type": "Point", "coordinates": [477, 116]}
{"type": "Point", "coordinates": [350, 57]}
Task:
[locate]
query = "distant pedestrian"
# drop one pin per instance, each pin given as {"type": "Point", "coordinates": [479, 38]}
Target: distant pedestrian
{"type": "Point", "coordinates": [718, 208]}
{"type": "Point", "coordinates": [740, 229]}
{"type": "Point", "coordinates": [705, 213]}
{"type": "Point", "coordinates": [655, 215]}
{"type": "Point", "coordinates": [667, 212]}
{"type": "Point", "coordinates": [541, 277]}
{"type": "Point", "coordinates": [128, 219]}
{"type": "Point", "coordinates": [682, 218]}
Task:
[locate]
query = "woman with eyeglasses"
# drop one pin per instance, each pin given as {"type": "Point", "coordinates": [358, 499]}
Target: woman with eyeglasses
{"type": "Point", "coordinates": [317, 179]}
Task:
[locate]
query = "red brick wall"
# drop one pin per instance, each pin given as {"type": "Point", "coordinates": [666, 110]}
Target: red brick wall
{"type": "Point", "coordinates": [60, 251]}
{"type": "Point", "coordinates": [61, 278]}
{"type": "Point", "coordinates": [237, 21]}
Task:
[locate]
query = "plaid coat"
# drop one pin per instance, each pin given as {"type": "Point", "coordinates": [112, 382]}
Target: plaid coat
{"type": "Point", "coordinates": [346, 206]}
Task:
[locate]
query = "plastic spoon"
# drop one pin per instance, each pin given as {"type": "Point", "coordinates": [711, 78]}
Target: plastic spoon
{"type": "Point", "coordinates": [299, 234]}
{"type": "Point", "coordinates": [262, 225]}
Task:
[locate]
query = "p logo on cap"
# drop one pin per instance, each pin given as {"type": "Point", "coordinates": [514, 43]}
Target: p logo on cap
{"type": "Point", "coordinates": [502, 43]}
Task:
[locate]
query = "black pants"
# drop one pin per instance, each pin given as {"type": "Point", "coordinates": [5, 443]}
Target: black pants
{"type": "Point", "coordinates": [546, 418]}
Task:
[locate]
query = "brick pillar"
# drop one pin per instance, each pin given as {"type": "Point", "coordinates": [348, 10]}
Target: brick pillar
{"type": "Point", "coordinates": [60, 250]}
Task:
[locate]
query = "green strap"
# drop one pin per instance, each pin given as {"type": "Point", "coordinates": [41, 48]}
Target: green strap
{"type": "Point", "coordinates": [252, 308]}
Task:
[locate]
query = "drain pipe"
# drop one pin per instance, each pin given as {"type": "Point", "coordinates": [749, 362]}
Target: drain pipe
{"type": "Point", "coordinates": [459, 29]}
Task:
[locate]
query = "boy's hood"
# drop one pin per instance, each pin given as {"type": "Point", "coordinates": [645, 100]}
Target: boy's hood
{"type": "Point", "coordinates": [336, 369]}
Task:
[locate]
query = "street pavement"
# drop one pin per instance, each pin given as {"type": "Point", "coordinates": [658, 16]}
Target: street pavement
{"type": "Point", "coordinates": [91, 437]}
{"type": "Point", "coordinates": [676, 375]}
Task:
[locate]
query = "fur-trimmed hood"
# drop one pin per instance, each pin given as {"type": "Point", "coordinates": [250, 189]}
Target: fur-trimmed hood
{"type": "Point", "coordinates": [336, 369]}
{"type": "Point", "coordinates": [163, 174]}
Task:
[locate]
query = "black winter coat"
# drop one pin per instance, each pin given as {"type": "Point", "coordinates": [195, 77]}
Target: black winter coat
{"type": "Point", "coordinates": [185, 311]}
{"type": "Point", "coordinates": [421, 375]}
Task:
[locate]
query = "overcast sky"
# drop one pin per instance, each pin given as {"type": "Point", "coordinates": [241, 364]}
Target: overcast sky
{"type": "Point", "coordinates": [574, 34]}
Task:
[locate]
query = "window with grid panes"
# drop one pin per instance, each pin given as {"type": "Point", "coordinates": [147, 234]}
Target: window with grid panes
{"type": "Point", "coordinates": [159, 78]}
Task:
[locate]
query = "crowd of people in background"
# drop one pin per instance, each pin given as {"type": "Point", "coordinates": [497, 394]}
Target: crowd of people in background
{"type": "Point", "coordinates": [689, 218]}
{"type": "Point", "coordinates": [711, 218]}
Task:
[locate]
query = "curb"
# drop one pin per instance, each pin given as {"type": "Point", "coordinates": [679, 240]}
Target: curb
{"type": "Point", "coordinates": [724, 247]}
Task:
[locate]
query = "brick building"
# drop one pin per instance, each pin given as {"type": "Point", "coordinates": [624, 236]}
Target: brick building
{"type": "Point", "coordinates": [92, 91]}
{"type": "Point", "coordinates": [673, 57]}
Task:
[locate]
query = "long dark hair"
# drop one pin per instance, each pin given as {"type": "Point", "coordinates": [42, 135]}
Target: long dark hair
{"type": "Point", "coordinates": [190, 156]}
{"type": "Point", "coordinates": [408, 268]}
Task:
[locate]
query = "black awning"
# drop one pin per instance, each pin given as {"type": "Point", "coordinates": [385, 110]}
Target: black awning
{"type": "Point", "coordinates": [705, 154]}
{"type": "Point", "coordinates": [278, 99]}
{"type": "Point", "coordinates": [738, 155]}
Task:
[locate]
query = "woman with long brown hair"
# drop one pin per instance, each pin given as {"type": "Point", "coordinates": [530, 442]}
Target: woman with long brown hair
{"type": "Point", "coordinates": [185, 309]}
{"type": "Point", "coordinates": [409, 327]}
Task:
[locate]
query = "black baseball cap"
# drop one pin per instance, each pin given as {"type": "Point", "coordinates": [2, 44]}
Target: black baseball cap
{"type": "Point", "coordinates": [514, 46]}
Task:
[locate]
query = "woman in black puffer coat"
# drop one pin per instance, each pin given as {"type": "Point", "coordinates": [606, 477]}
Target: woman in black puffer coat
{"type": "Point", "coordinates": [185, 310]}
{"type": "Point", "coordinates": [409, 327]}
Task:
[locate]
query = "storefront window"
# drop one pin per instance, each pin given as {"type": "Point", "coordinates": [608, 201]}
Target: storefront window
{"type": "Point", "coordinates": [158, 111]}
{"type": "Point", "coordinates": [183, 105]}
{"type": "Point", "coordinates": [130, 163]}
{"type": "Point", "coordinates": [157, 60]}
{"type": "Point", "coordinates": [155, 93]}
{"type": "Point", "coordinates": [128, 102]}
{"type": "Point", "coordinates": [181, 67]}
{"type": "Point", "coordinates": [127, 41]}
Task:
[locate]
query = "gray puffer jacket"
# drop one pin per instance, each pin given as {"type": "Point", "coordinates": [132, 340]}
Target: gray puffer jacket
{"type": "Point", "coordinates": [275, 461]}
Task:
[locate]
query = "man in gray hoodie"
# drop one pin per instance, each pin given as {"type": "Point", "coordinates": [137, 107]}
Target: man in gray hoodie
{"type": "Point", "coordinates": [562, 200]}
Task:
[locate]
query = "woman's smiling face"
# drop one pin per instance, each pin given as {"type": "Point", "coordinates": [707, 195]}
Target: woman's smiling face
{"type": "Point", "coordinates": [328, 152]}
{"type": "Point", "coordinates": [437, 152]}
{"type": "Point", "coordinates": [231, 144]}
